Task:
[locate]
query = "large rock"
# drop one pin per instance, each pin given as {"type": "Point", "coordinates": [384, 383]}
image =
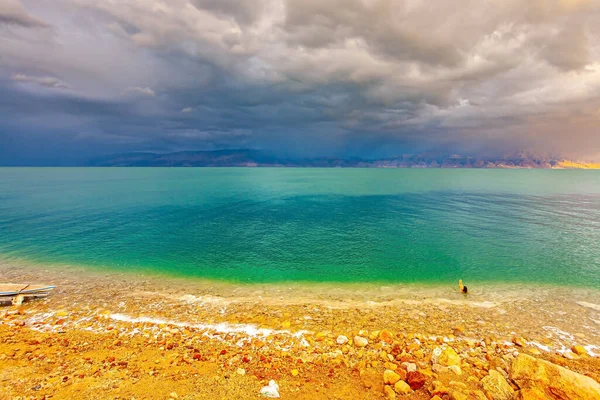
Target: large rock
{"type": "Point", "coordinates": [445, 356]}
{"type": "Point", "coordinates": [533, 375]}
{"type": "Point", "coordinates": [496, 387]}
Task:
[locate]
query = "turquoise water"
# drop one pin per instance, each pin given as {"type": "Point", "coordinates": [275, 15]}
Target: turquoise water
{"type": "Point", "coordinates": [340, 225]}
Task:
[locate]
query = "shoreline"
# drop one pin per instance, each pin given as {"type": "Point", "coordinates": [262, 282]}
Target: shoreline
{"type": "Point", "coordinates": [371, 286]}
{"type": "Point", "coordinates": [284, 332]}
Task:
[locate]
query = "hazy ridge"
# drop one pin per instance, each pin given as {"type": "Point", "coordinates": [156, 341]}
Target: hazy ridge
{"type": "Point", "coordinates": [257, 158]}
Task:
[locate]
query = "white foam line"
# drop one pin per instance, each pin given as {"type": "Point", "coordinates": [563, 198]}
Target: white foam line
{"type": "Point", "coordinates": [589, 305]}
{"type": "Point", "coordinates": [247, 329]}
{"type": "Point", "coordinates": [540, 346]}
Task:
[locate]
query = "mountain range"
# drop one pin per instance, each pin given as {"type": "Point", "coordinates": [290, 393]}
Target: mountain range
{"type": "Point", "coordinates": [258, 158]}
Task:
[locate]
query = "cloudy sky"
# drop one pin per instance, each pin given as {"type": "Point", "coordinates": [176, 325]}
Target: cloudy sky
{"type": "Point", "coordinates": [82, 78]}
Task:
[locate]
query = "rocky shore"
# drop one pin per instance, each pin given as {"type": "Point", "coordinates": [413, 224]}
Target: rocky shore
{"type": "Point", "coordinates": [124, 337]}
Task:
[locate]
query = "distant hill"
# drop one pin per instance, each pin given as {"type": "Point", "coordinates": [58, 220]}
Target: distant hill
{"type": "Point", "coordinates": [257, 158]}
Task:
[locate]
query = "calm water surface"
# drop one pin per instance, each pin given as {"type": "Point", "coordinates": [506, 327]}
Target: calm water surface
{"type": "Point", "coordinates": [340, 225]}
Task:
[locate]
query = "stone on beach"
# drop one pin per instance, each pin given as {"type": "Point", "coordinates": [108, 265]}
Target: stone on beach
{"type": "Point", "coordinates": [389, 393]}
{"type": "Point", "coordinates": [341, 339]}
{"type": "Point", "coordinates": [496, 386]}
{"type": "Point", "coordinates": [445, 356]}
{"type": "Point", "coordinates": [402, 387]}
{"type": "Point", "coordinates": [271, 390]}
{"type": "Point", "coordinates": [386, 336]}
{"type": "Point", "coordinates": [579, 350]}
{"type": "Point", "coordinates": [534, 375]}
{"type": "Point", "coordinates": [416, 380]}
{"type": "Point", "coordinates": [360, 341]}
{"type": "Point", "coordinates": [390, 377]}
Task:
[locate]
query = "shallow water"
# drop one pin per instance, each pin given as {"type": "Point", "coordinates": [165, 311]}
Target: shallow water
{"type": "Point", "coordinates": [315, 225]}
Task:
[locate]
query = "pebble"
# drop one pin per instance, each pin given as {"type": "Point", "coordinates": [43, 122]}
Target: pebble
{"type": "Point", "coordinates": [416, 380]}
{"type": "Point", "coordinates": [390, 377]}
{"type": "Point", "coordinates": [402, 387]}
{"type": "Point", "coordinates": [456, 369]}
{"type": "Point", "coordinates": [389, 392]}
{"type": "Point", "coordinates": [386, 336]}
{"type": "Point", "coordinates": [519, 341]}
{"type": "Point", "coordinates": [410, 367]}
{"type": "Point", "coordinates": [579, 350]}
{"type": "Point", "coordinates": [445, 356]}
{"type": "Point", "coordinates": [341, 339]}
{"type": "Point", "coordinates": [360, 341]}
{"type": "Point", "coordinates": [271, 390]}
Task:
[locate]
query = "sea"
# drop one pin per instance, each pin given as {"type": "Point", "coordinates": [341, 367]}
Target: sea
{"type": "Point", "coordinates": [273, 225]}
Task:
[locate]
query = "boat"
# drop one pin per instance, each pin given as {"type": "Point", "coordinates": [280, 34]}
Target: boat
{"type": "Point", "coordinates": [16, 292]}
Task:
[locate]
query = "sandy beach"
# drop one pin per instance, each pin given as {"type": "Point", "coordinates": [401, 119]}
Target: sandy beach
{"type": "Point", "coordinates": [119, 336]}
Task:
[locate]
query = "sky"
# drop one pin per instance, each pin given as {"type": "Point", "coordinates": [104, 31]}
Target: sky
{"type": "Point", "coordinates": [370, 78]}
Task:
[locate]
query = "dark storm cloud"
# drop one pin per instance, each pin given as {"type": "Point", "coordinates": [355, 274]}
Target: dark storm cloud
{"type": "Point", "coordinates": [353, 77]}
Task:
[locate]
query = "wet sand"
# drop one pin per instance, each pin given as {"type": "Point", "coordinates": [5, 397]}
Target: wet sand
{"type": "Point", "coordinates": [114, 335]}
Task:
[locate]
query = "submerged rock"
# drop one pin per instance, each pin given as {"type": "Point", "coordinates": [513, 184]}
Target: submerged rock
{"type": "Point", "coordinates": [496, 386]}
{"type": "Point", "coordinates": [535, 376]}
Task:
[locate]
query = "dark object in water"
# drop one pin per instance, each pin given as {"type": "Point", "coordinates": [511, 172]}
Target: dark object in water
{"type": "Point", "coordinates": [462, 288]}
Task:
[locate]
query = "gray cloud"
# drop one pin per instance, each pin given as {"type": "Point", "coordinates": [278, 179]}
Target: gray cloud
{"type": "Point", "coordinates": [47, 81]}
{"type": "Point", "coordinates": [12, 12]}
{"type": "Point", "coordinates": [313, 76]}
{"type": "Point", "coordinates": [140, 91]}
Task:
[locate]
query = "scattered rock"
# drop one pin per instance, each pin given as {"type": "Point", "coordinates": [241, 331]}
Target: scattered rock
{"type": "Point", "coordinates": [389, 392]}
{"type": "Point", "coordinates": [390, 377]}
{"type": "Point", "coordinates": [241, 371]}
{"type": "Point", "coordinates": [531, 394]}
{"type": "Point", "coordinates": [271, 390]}
{"type": "Point", "coordinates": [456, 395]}
{"type": "Point", "coordinates": [386, 336]}
{"type": "Point", "coordinates": [519, 341]}
{"type": "Point", "coordinates": [535, 376]}
{"type": "Point", "coordinates": [496, 386]}
{"type": "Point", "coordinates": [455, 368]}
{"type": "Point", "coordinates": [173, 395]}
{"type": "Point", "coordinates": [416, 380]}
{"type": "Point", "coordinates": [445, 356]}
{"type": "Point", "coordinates": [360, 341]}
{"type": "Point", "coordinates": [579, 350]}
{"type": "Point", "coordinates": [341, 339]}
{"type": "Point", "coordinates": [410, 367]}
{"type": "Point", "coordinates": [402, 387]}
{"type": "Point", "coordinates": [534, 351]}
